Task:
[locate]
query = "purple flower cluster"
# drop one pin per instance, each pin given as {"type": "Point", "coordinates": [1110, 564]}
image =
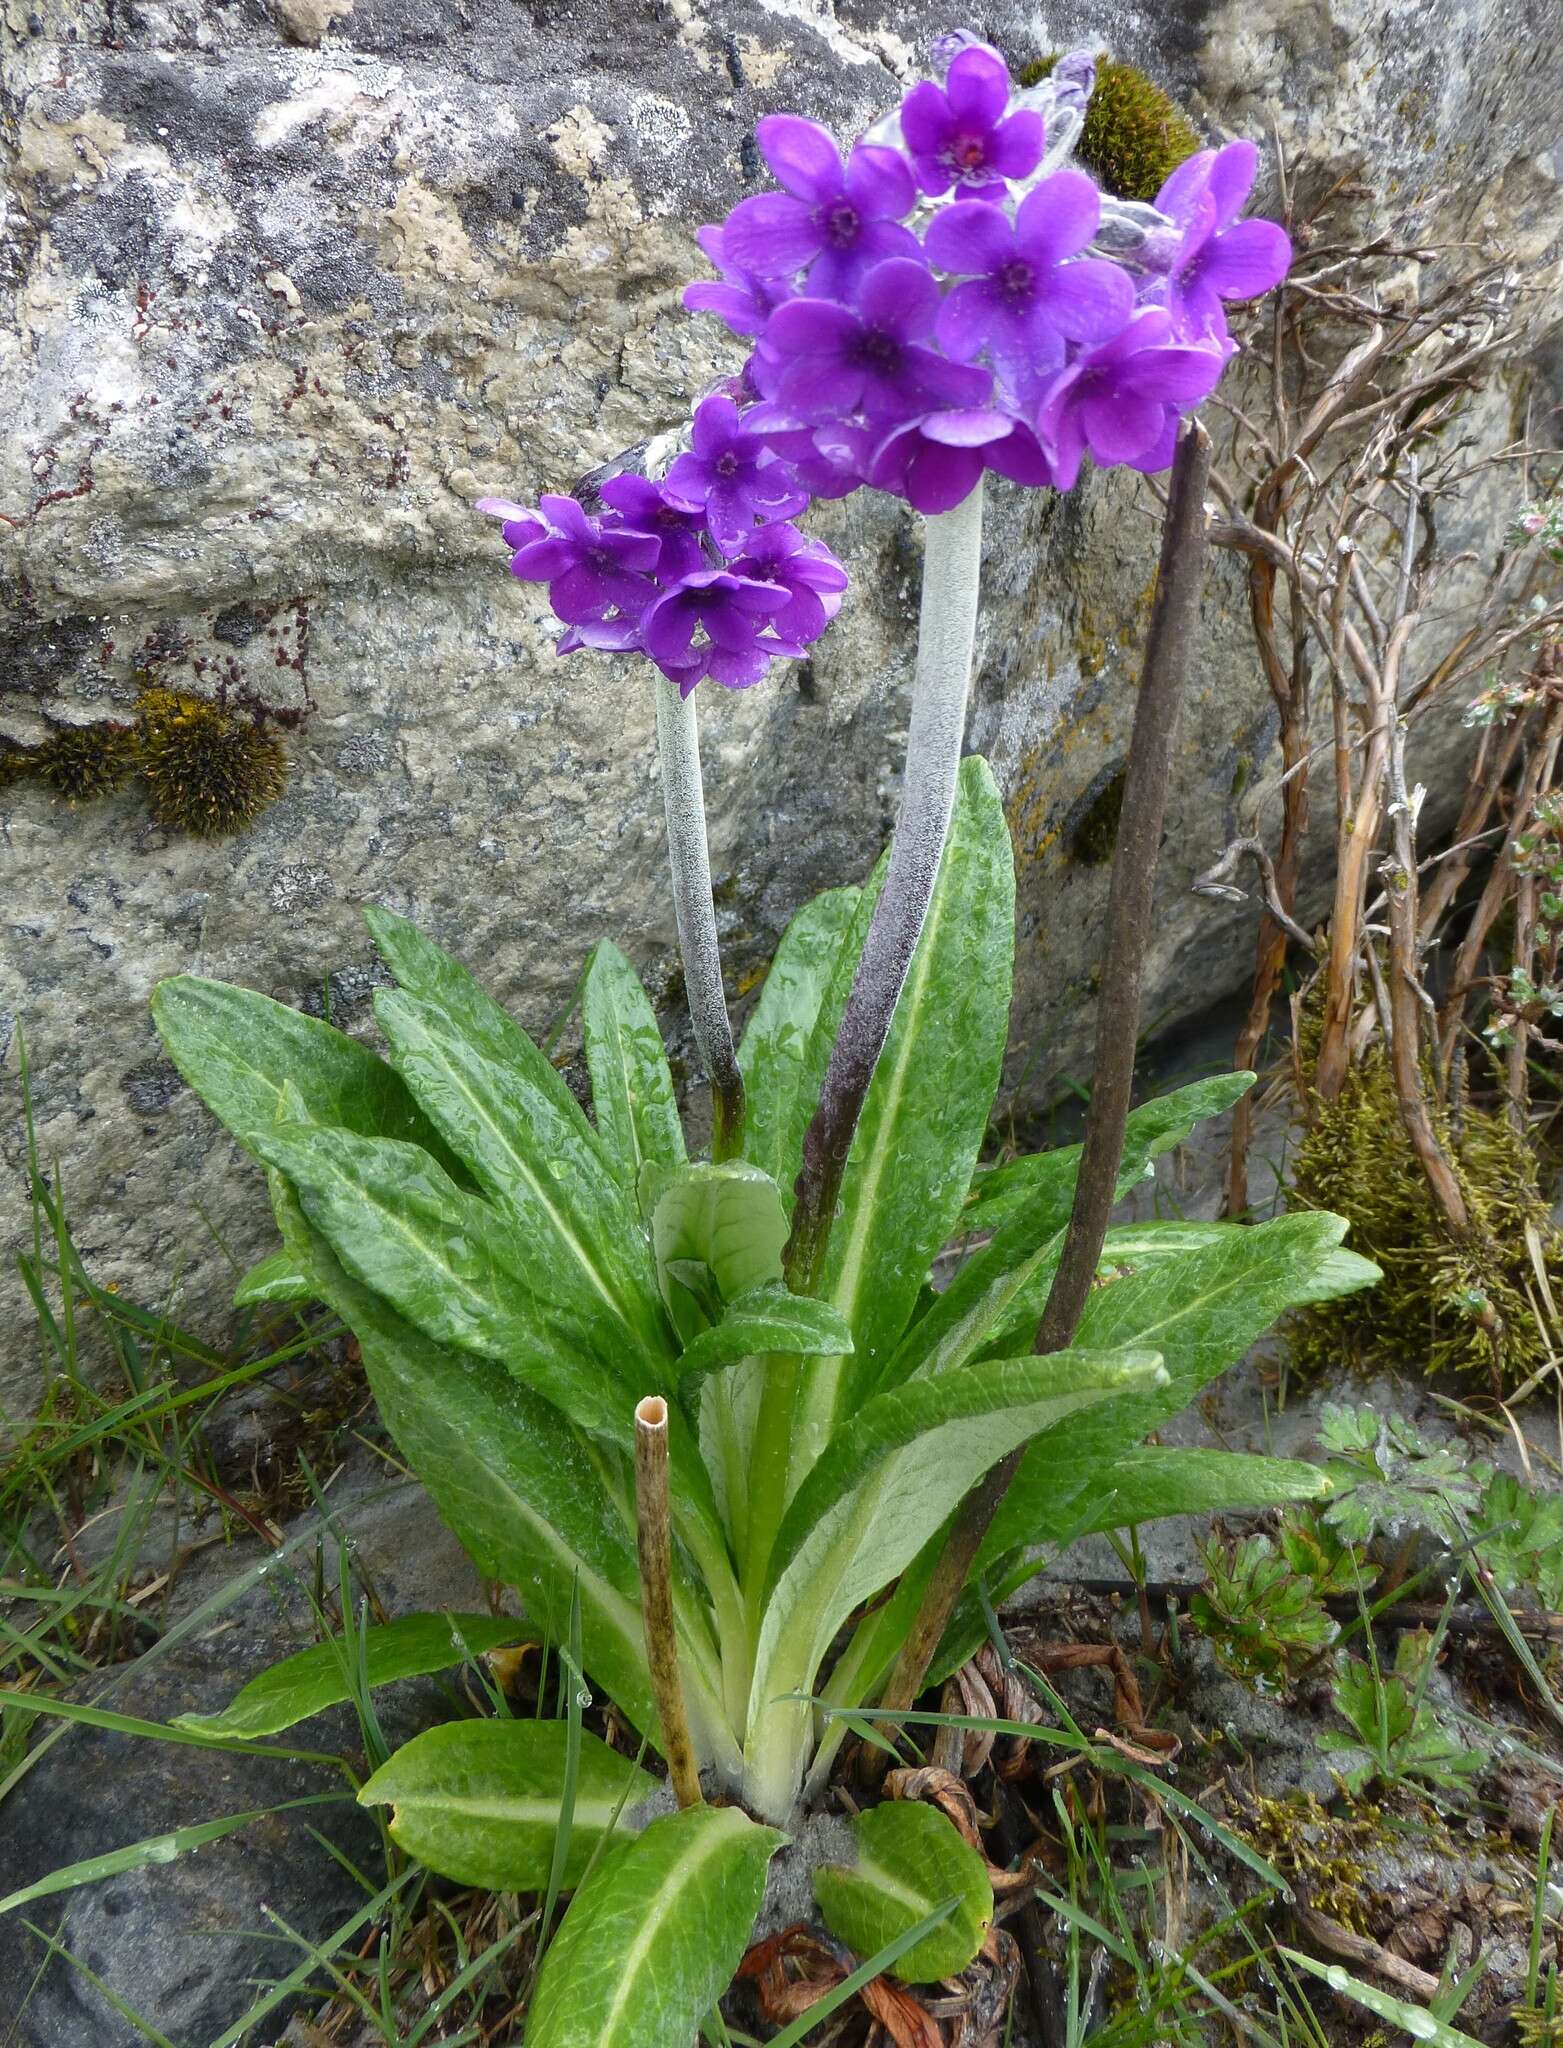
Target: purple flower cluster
{"type": "Point", "coordinates": [944, 299]}
{"type": "Point", "coordinates": [931, 310]}
{"type": "Point", "coordinates": [703, 572]}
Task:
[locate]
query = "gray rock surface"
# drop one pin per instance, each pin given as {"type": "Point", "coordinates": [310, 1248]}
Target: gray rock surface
{"type": "Point", "coordinates": [190, 1944]}
{"type": "Point", "coordinates": [290, 288]}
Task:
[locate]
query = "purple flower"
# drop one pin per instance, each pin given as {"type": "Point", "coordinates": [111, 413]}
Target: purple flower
{"type": "Point", "coordinates": [521, 522]}
{"type": "Point", "coordinates": [731, 476]}
{"type": "Point", "coordinates": [729, 613]}
{"type": "Point", "coordinates": [606, 636]}
{"type": "Point", "coordinates": [644, 508]}
{"type": "Point", "coordinates": [837, 218]}
{"type": "Point", "coordinates": [743, 300]}
{"type": "Point", "coordinates": [958, 133]}
{"type": "Point", "coordinates": [590, 569]}
{"type": "Point", "coordinates": [1216, 256]}
{"type": "Point", "coordinates": [1025, 301]}
{"type": "Point", "coordinates": [829, 461]}
{"type": "Point", "coordinates": [806, 570]}
{"type": "Point", "coordinates": [1112, 400]}
{"type": "Point", "coordinates": [833, 361]}
{"type": "Point", "coordinates": [934, 462]}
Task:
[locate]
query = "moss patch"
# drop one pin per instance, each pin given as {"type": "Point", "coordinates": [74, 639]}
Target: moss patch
{"type": "Point", "coordinates": [81, 761]}
{"type": "Point", "coordinates": [1459, 1307]}
{"type": "Point", "coordinates": [210, 771]}
{"type": "Point", "coordinates": [1134, 136]}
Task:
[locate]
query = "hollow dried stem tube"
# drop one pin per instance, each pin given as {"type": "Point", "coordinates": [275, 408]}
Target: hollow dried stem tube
{"type": "Point", "coordinates": [654, 1542]}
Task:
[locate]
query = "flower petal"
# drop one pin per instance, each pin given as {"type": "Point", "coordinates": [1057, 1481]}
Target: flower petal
{"type": "Point", "coordinates": [1247, 259]}
{"type": "Point", "coordinates": [925, 119]}
{"type": "Point", "coordinates": [1180, 376]}
{"type": "Point", "coordinates": [810, 327]}
{"type": "Point", "coordinates": [1182, 191]}
{"type": "Point", "coordinates": [1020, 457]}
{"type": "Point", "coordinates": [1232, 174]}
{"type": "Point", "coordinates": [1015, 146]}
{"type": "Point", "coordinates": [540, 561]}
{"type": "Point", "coordinates": [969, 238]}
{"type": "Point", "coordinates": [973, 427]}
{"type": "Point", "coordinates": [880, 183]}
{"type": "Point", "coordinates": [939, 478]}
{"type": "Point", "coordinates": [1058, 218]}
{"type": "Point", "coordinates": [977, 87]}
{"type": "Point", "coordinates": [772, 235]}
{"type": "Point", "coordinates": [1088, 299]}
{"type": "Point", "coordinates": [968, 316]}
{"type": "Point", "coordinates": [802, 155]}
{"type": "Point", "coordinates": [1118, 427]}
{"type": "Point", "coordinates": [899, 298]}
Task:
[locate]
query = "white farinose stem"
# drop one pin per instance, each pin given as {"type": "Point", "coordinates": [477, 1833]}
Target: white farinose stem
{"type": "Point", "coordinates": [678, 742]}
{"type": "Point", "coordinates": [952, 568]}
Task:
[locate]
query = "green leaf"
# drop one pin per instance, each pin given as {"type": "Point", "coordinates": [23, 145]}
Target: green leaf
{"type": "Point", "coordinates": [766, 1319]}
{"type": "Point", "coordinates": [927, 1108]}
{"type": "Point", "coordinates": [534, 1503]}
{"type": "Point", "coordinates": [780, 1046]}
{"type": "Point", "coordinates": [585, 1250]}
{"type": "Point", "coordinates": [427, 971]}
{"type": "Point", "coordinates": [1414, 2020]}
{"type": "Point", "coordinates": [887, 1481]}
{"type": "Point", "coordinates": [1001, 1291]}
{"type": "Point", "coordinates": [1144, 1484]}
{"type": "Point", "coordinates": [632, 1089]}
{"type": "Point", "coordinates": [1048, 1178]}
{"type": "Point", "coordinates": [1201, 1312]}
{"type": "Point", "coordinates": [909, 1860]}
{"type": "Point", "coordinates": [317, 1678]}
{"type": "Point", "coordinates": [156, 1849]}
{"type": "Point", "coordinates": [448, 1262]}
{"type": "Point", "coordinates": [238, 1050]}
{"type": "Point", "coordinates": [277, 1278]}
{"type": "Point", "coordinates": [728, 1218]}
{"type": "Point", "coordinates": [479, 1801]}
{"type": "Point", "coordinates": [459, 1270]}
{"type": "Point", "coordinates": [654, 1935]}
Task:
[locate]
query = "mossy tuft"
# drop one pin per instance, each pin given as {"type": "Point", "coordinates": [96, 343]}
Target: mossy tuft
{"type": "Point", "coordinates": [81, 761]}
{"type": "Point", "coordinates": [1134, 136]}
{"type": "Point", "coordinates": [209, 771]}
{"type": "Point", "coordinates": [1465, 1307]}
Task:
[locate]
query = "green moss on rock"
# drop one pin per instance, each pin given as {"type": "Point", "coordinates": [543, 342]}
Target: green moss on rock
{"type": "Point", "coordinates": [210, 771]}
{"type": "Point", "coordinates": [1134, 136]}
{"type": "Point", "coordinates": [81, 761]}
{"type": "Point", "coordinates": [1443, 1305]}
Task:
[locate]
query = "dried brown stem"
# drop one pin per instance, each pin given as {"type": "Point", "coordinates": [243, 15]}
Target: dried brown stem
{"type": "Point", "coordinates": [654, 1543]}
{"type": "Point", "coordinates": [1405, 1009]}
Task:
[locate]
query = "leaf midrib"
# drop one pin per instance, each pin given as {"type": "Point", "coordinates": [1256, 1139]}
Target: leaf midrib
{"type": "Point", "coordinates": [682, 1871]}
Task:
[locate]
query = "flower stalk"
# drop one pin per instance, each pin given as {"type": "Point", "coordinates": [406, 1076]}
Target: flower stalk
{"type": "Point", "coordinates": [1168, 653]}
{"type": "Point", "coordinates": [654, 1544]}
{"type": "Point", "coordinates": [952, 566]}
{"type": "Point", "coordinates": [678, 743]}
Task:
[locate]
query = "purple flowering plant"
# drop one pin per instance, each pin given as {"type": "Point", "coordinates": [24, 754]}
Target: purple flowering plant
{"type": "Point", "coordinates": [945, 299]}
{"type": "Point", "coordinates": [949, 297]}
